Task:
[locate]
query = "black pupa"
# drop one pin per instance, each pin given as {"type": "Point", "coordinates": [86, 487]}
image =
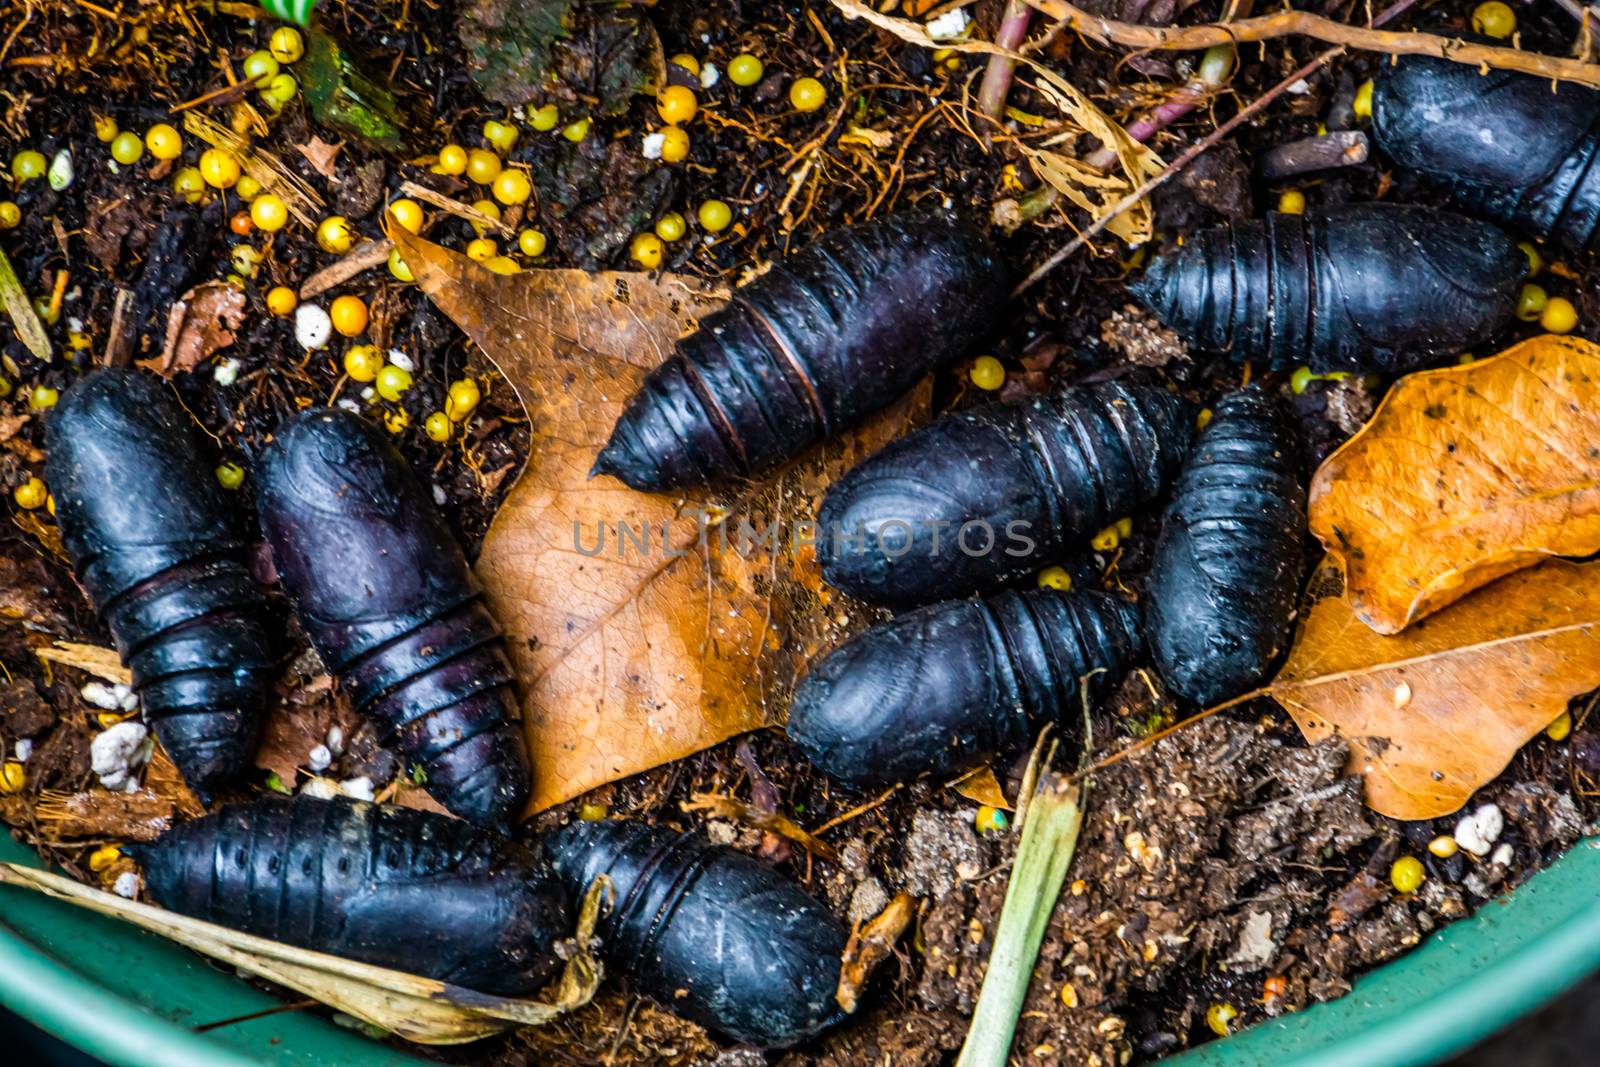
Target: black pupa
{"type": "Point", "coordinates": [948, 687]}
{"type": "Point", "coordinates": [983, 497]}
{"type": "Point", "coordinates": [707, 932]}
{"type": "Point", "coordinates": [1512, 147]}
{"type": "Point", "coordinates": [395, 887]}
{"type": "Point", "coordinates": [386, 596]}
{"type": "Point", "coordinates": [1370, 287]}
{"type": "Point", "coordinates": [163, 560]}
{"type": "Point", "coordinates": [1220, 599]}
{"type": "Point", "coordinates": [812, 347]}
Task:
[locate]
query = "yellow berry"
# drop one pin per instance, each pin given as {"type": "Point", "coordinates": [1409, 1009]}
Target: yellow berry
{"type": "Point", "coordinates": [671, 226]}
{"type": "Point", "coordinates": [452, 160]}
{"type": "Point", "coordinates": [27, 165]}
{"type": "Point", "coordinates": [247, 188]}
{"type": "Point", "coordinates": [286, 44]}
{"type": "Point", "coordinates": [260, 67]}
{"type": "Point", "coordinates": [488, 208]}
{"type": "Point", "coordinates": [1444, 846]}
{"type": "Point", "coordinates": [1300, 379]}
{"type": "Point", "coordinates": [1362, 105]}
{"type": "Point", "coordinates": [987, 373]}
{"type": "Point", "coordinates": [362, 363]}
{"type": "Point", "coordinates": [676, 103]}
{"type": "Point", "coordinates": [1107, 539]}
{"type": "Point", "coordinates": [502, 136]}
{"type": "Point", "coordinates": [807, 94]}
{"type": "Point", "coordinates": [592, 811]}
{"type": "Point", "coordinates": [1125, 526]}
{"type": "Point", "coordinates": [189, 185]}
{"type": "Point", "coordinates": [1407, 874]}
{"type": "Point", "coordinates": [576, 131]}
{"type": "Point", "coordinates": [462, 400]}
{"type": "Point", "coordinates": [30, 494]}
{"type": "Point", "coordinates": [392, 381]}
{"type": "Point", "coordinates": [482, 250]}
{"type": "Point", "coordinates": [1055, 578]}
{"type": "Point", "coordinates": [105, 128]}
{"type": "Point", "coordinates": [1531, 302]}
{"type": "Point", "coordinates": [687, 62]}
{"type": "Point", "coordinates": [408, 213]}
{"type": "Point", "coordinates": [745, 69]}
{"type": "Point", "coordinates": [281, 300]}
{"type": "Point", "coordinates": [503, 265]}
{"type": "Point", "coordinates": [1561, 728]}
{"type": "Point", "coordinates": [1292, 202]}
{"type": "Point", "coordinates": [164, 141]}
{"type": "Point", "coordinates": [334, 235]}
{"type": "Point", "coordinates": [127, 149]}
{"type": "Point", "coordinates": [13, 776]}
{"type": "Point", "coordinates": [10, 215]}
{"type": "Point", "coordinates": [230, 476]}
{"type": "Point", "coordinates": [103, 857]}
{"type": "Point", "coordinates": [396, 421]}
{"type": "Point", "coordinates": [43, 397]}
{"type": "Point", "coordinates": [512, 187]}
{"type": "Point", "coordinates": [989, 820]}
{"type": "Point", "coordinates": [349, 315]}
{"type": "Point", "coordinates": [715, 216]}
{"type": "Point", "coordinates": [398, 268]}
{"type": "Point", "coordinates": [437, 427]}
{"type": "Point", "coordinates": [674, 144]}
{"type": "Point", "coordinates": [483, 166]}
{"type": "Point", "coordinates": [1559, 315]}
{"type": "Point", "coordinates": [1494, 19]}
{"type": "Point", "coordinates": [1535, 260]}
{"type": "Point", "coordinates": [1219, 1017]}
{"type": "Point", "coordinates": [532, 243]}
{"type": "Point", "coordinates": [219, 168]}
{"type": "Point", "coordinates": [280, 90]}
{"type": "Point", "coordinates": [545, 118]}
{"type": "Point", "coordinates": [269, 213]}
{"type": "Point", "coordinates": [646, 250]}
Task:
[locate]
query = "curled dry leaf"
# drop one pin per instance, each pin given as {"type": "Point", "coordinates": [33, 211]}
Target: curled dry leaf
{"type": "Point", "coordinates": [1091, 189]}
{"type": "Point", "coordinates": [424, 1010]}
{"type": "Point", "coordinates": [201, 324]}
{"type": "Point", "coordinates": [1439, 710]}
{"type": "Point", "coordinates": [1463, 475]}
{"type": "Point", "coordinates": [735, 810]}
{"type": "Point", "coordinates": [869, 945]}
{"type": "Point", "coordinates": [681, 629]}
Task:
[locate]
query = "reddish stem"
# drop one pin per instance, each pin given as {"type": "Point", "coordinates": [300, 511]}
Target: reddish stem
{"type": "Point", "coordinates": [997, 77]}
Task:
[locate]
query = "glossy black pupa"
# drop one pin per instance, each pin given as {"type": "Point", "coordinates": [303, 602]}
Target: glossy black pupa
{"type": "Point", "coordinates": [948, 687]}
{"type": "Point", "coordinates": [1220, 597]}
{"type": "Point", "coordinates": [395, 887]}
{"type": "Point", "coordinates": [162, 557]}
{"type": "Point", "coordinates": [823, 339]}
{"type": "Point", "coordinates": [385, 595]}
{"type": "Point", "coordinates": [707, 932]}
{"type": "Point", "coordinates": [1370, 287]}
{"type": "Point", "coordinates": [1509, 146]}
{"type": "Point", "coordinates": [983, 497]}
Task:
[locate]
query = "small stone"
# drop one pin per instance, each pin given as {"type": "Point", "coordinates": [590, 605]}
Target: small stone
{"type": "Point", "coordinates": [312, 327]}
{"type": "Point", "coordinates": [126, 885]}
{"type": "Point", "coordinates": [320, 758]}
{"type": "Point", "coordinates": [1478, 831]}
{"type": "Point", "coordinates": [1503, 855]}
{"type": "Point", "coordinates": [868, 899]}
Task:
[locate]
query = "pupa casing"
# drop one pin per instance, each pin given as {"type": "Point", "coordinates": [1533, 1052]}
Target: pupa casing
{"type": "Point", "coordinates": [383, 591]}
{"type": "Point", "coordinates": [950, 686]}
{"type": "Point", "coordinates": [1220, 598]}
{"type": "Point", "coordinates": [813, 346]}
{"type": "Point", "coordinates": [395, 887]}
{"type": "Point", "coordinates": [1509, 146]}
{"type": "Point", "coordinates": [154, 543]}
{"type": "Point", "coordinates": [707, 932]}
{"type": "Point", "coordinates": [980, 498]}
{"type": "Point", "coordinates": [1370, 287]}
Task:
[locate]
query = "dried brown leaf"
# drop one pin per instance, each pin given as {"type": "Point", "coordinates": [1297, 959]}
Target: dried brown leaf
{"type": "Point", "coordinates": [1465, 474]}
{"type": "Point", "coordinates": [1436, 712]}
{"type": "Point", "coordinates": [735, 810]}
{"type": "Point", "coordinates": [321, 155]}
{"type": "Point", "coordinates": [631, 658]}
{"type": "Point", "coordinates": [869, 945]}
{"type": "Point", "coordinates": [201, 324]}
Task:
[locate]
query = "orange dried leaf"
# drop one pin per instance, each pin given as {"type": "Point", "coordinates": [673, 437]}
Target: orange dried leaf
{"type": "Point", "coordinates": [1463, 475]}
{"type": "Point", "coordinates": [1438, 711]}
{"type": "Point", "coordinates": [870, 944]}
{"type": "Point", "coordinates": [654, 647]}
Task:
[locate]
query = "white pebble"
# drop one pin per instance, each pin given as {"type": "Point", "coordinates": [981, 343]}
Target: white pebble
{"type": "Point", "coordinates": [61, 173]}
{"type": "Point", "coordinates": [709, 76]}
{"type": "Point", "coordinates": [358, 788]}
{"type": "Point", "coordinates": [100, 695]}
{"type": "Point", "coordinates": [948, 25]}
{"type": "Point", "coordinates": [226, 373]}
{"type": "Point", "coordinates": [117, 752]}
{"type": "Point", "coordinates": [1478, 831]}
{"type": "Point", "coordinates": [325, 788]}
{"type": "Point", "coordinates": [24, 750]}
{"type": "Point", "coordinates": [439, 496]}
{"type": "Point", "coordinates": [320, 758]}
{"type": "Point", "coordinates": [652, 145]}
{"type": "Point", "coordinates": [369, 394]}
{"type": "Point", "coordinates": [401, 360]}
{"type": "Point", "coordinates": [335, 740]}
{"type": "Point", "coordinates": [129, 701]}
{"type": "Point", "coordinates": [1503, 855]}
{"type": "Point", "coordinates": [312, 326]}
{"type": "Point", "coordinates": [126, 885]}
{"type": "Point", "coordinates": [1299, 88]}
{"type": "Point", "coordinates": [349, 405]}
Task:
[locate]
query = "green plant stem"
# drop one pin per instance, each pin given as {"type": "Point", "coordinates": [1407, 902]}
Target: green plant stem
{"type": "Point", "coordinates": [1049, 839]}
{"type": "Point", "coordinates": [15, 300]}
